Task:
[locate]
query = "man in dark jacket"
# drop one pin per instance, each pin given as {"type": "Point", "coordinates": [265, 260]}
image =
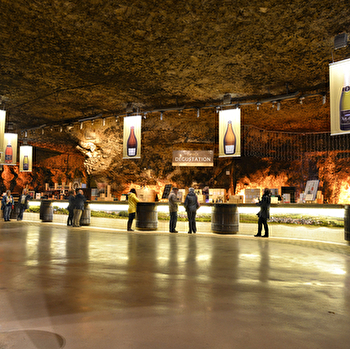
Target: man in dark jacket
{"type": "Point", "coordinates": [191, 205]}
{"type": "Point", "coordinates": [79, 203]}
{"type": "Point", "coordinates": [264, 213]}
{"type": "Point", "coordinates": [22, 203]}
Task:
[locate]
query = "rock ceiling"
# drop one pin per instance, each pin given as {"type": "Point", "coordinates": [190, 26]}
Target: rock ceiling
{"type": "Point", "coordinates": [67, 60]}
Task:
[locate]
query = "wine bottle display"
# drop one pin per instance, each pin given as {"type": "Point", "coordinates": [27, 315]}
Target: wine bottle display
{"type": "Point", "coordinates": [345, 109]}
{"type": "Point", "coordinates": [131, 145]}
{"type": "Point", "coordinates": [229, 140]}
{"type": "Point", "coordinates": [25, 163]}
{"type": "Point", "coordinates": [8, 153]}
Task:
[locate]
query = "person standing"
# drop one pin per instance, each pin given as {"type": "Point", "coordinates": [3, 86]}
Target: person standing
{"type": "Point", "coordinates": [22, 203]}
{"type": "Point", "coordinates": [191, 205]}
{"type": "Point", "coordinates": [132, 201]}
{"type": "Point", "coordinates": [70, 208]}
{"type": "Point", "coordinates": [173, 208]}
{"type": "Point", "coordinates": [264, 213]}
{"type": "Point", "coordinates": [6, 205]}
{"type": "Point", "coordinates": [79, 203]}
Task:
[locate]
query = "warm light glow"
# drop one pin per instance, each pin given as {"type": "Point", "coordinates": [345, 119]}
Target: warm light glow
{"type": "Point", "coordinates": [2, 128]}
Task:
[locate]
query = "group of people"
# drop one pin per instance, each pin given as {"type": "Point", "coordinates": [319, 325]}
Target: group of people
{"type": "Point", "coordinates": [8, 204]}
{"type": "Point", "coordinates": [191, 205]}
{"type": "Point", "coordinates": [76, 206]}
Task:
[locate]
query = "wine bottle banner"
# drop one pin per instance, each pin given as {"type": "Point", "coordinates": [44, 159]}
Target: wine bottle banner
{"type": "Point", "coordinates": [132, 137]}
{"type": "Point", "coordinates": [229, 133]}
{"type": "Point", "coordinates": [339, 87]}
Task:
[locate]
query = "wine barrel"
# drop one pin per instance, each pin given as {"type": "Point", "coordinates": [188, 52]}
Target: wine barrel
{"type": "Point", "coordinates": [347, 223]}
{"type": "Point", "coordinates": [225, 219]}
{"type": "Point", "coordinates": [46, 211]}
{"type": "Point", "coordinates": [86, 215]}
{"type": "Point", "coordinates": [146, 216]}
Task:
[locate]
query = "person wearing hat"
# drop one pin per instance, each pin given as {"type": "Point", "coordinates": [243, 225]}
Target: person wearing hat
{"type": "Point", "coordinates": [191, 205]}
{"type": "Point", "coordinates": [173, 208]}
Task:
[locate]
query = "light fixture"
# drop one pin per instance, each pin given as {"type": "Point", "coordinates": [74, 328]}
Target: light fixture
{"type": "Point", "coordinates": [92, 122]}
{"type": "Point", "coordinates": [103, 121]}
{"type": "Point", "coordinates": [340, 40]}
{"type": "Point", "coordinates": [324, 98]}
{"type": "Point", "coordinates": [258, 104]}
{"type": "Point", "coordinates": [278, 105]}
{"type": "Point", "coordinates": [198, 113]}
{"type": "Point", "coordinates": [25, 134]}
{"type": "Point", "coordinates": [42, 131]}
{"type": "Point", "coordinates": [81, 125]}
{"type": "Point", "coordinates": [161, 115]}
{"type": "Point", "coordinates": [227, 98]}
{"type": "Point", "coordinates": [301, 100]}
{"type": "Point", "coordinates": [61, 128]}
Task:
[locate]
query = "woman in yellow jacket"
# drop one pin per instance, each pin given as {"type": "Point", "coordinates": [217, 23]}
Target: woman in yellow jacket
{"type": "Point", "coordinates": [132, 200]}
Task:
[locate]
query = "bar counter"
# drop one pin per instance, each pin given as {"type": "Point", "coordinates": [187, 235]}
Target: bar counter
{"type": "Point", "coordinates": [331, 210]}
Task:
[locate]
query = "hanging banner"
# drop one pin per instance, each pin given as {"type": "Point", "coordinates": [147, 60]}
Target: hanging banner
{"type": "Point", "coordinates": [339, 84]}
{"type": "Point", "coordinates": [25, 158]}
{"type": "Point", "coordinates": [9, 154]}
{"type": "Point", "coordinates": [229, 133]}
{"type": "Point", "coordinates": [132, 137]}
{"type": "Point", "coordinates": [2, 128]}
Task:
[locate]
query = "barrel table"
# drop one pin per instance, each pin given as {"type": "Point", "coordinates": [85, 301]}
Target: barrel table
{"type": "Point", "coordinates": [86, 215]}
{"type": "Point", "coordinates": [46, 211]}
{"type": "Point", "coordinates": [225, 219]}
{"type": "Point", "coordinates": [347, 222]}
{"type": "Point", "coordinates": [146, 216]}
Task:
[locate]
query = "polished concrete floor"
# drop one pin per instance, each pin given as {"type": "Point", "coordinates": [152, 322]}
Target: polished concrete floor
{"type": "Point", "coordinates": [86, 287]}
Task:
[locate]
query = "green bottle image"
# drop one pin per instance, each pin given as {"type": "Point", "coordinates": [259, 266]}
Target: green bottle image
{"type": "Point", "coordinates": [345, 108]}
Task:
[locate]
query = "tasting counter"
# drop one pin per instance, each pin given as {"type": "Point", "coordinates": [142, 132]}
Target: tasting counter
{"type": "Point", "coordinates": [224, 216]}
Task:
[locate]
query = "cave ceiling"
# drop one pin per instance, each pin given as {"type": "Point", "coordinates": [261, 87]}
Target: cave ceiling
{"type": "Point", "coordinates": [62, 61]}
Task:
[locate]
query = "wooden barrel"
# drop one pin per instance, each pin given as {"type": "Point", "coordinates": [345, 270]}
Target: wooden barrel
{"type": "Point", "coordinates": [146, 216]}
{"type": "Point", "coordinates": [347, 223]}
{"type": "Point", "coordinates": [46, 211]}
{"type": "Point", "coordinates": [86, 215]}
{"type": "Point", "coordinates": [225, 219]}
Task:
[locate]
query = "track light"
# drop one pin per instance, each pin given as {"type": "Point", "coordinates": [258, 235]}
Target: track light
{"type": "Point", "coordinates": [324, 98]}
{"type": "Point", "coordinates": [198, 112]}
{"type": "Point", "coordinates": [278, 105]}
{"type": "Point", "coordinates": [92, 122]}
{"type": "Point", "coordinates": [81, 125]}
{"type": "Point", "coordinates": [103, 121]}
{"type": "Point", "coordinates": [258, 104]}
{"type": "Point", "coordinates": [301, 100]}
{"type": "Point", "coordinates": [161, 115]}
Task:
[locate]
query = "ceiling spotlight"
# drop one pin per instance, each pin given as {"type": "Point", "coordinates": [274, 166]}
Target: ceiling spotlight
{"type": "Point", "coordinates": [103, 121]}
{"type": "Point", "coordinates": [92, 122]}
{"type": "Point", "coordinates": [278, 105]}
{"type": "Point", "coordinates": [340, 40]}
{"type": "Point", "coordinates": [61, 129]}
{"type": "Point", "coordinates": [161, 115]}
{"type": "Point", "coordinates": [258, 104]}
{"type": "Point", "coordinates": [42, 131]}
{"type": "Point", "coordinates": [301, 99]}
{"type": "Point", "coordinates": [198, 113]}
{"type": "Point", "coordinates": [324, 98]}
{"type": "Point", "coordinates": [81, 125]}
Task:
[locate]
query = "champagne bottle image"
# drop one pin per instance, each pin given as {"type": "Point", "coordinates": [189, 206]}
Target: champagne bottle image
{"type": "Point", "coordinates": [8, 153]}
{"type": "Point", "coordinates": [345, 108]}
{"type": "Point", "coordinates": [131, 145]}
{"type": "Point", "coordinates": [229, 140]}
{"type": "Point", "coordinates": [25, 163]}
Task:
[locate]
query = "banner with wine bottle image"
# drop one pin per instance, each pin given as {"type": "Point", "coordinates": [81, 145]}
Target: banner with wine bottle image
{"type": "Point", "coordinates": [339, 89]}
{"type": "Point", "coordinates": [9, 153]}
{"type": "Point", "coordinates": [132, 137]}
{"type": "Point", "coordinates": [25, 158]}
{"type": "Point", "coordinates": [230, 132]}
